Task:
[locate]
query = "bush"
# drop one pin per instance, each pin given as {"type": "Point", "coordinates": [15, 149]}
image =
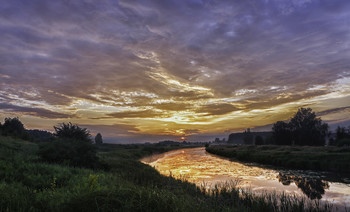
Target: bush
{"type": "Point", "coordinates": [13, 127]}
{"type": "Point", "coordinates": [69, 152]}
{"type": "Point", "coordinates": [259, 140]}
{"type": "Point", "coordinates": [72, 131]}
{"type": "Point", "coordinates": [344, 142]}
{"type": "Point", "coordinates": [72, 146]}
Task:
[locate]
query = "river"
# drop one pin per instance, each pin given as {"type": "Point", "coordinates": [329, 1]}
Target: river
{"type": "Point", "coordinates": [205, 169]}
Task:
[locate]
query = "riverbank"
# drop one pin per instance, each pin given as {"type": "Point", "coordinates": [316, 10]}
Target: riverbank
{"type": "Point", "coordinates": [28, 184]}
{"type": "Point", "coordinates": [331, 159]}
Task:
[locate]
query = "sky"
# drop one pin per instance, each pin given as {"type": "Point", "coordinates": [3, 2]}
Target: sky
{"type": "Point", "coordinates": [151, 70]}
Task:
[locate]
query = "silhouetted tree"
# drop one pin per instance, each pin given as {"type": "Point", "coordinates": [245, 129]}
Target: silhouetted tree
{"type": "Point", "coordinates": [14, 127]}
{"type": "Point", "coordinates": [332, 142]}
{"type": "Point", "coordinates": [303, 129]}
{"type": "Point", "coordinates": [281, 133]}
{"type": "Point", "coordinates": [307, 129]}
{"type": "Point", "coordinates": [72, 146]}
{"type": "Point", "coordinates": [248, 137]}
{"type": "Point", "coordinates": [259, 140]}
{"type": "Point", "coordinates": [342, 133]}
{"type": "Point", "coordinates": [98, 138]}
{"type": "Point", "coordinates": [72, 131]}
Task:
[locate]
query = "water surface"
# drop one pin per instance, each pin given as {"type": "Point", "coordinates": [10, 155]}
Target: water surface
{"type": "Point", "coordinates": [202, 168]}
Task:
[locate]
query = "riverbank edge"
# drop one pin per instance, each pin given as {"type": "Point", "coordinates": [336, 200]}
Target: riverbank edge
{"type": "Point", "coordinates": [334, 160]}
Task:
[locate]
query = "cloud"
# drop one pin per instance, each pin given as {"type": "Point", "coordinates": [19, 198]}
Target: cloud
{"type": "Point", "coordinates": [172, 106]}
{"type": "Point", "coordinates": [40, 112]}
{"type": "Point", "coordinates": [333, 110]}
{"type": "Point", "coordinates": [137, 114]}
{"type": "Point", "coordinates": [216, 109]}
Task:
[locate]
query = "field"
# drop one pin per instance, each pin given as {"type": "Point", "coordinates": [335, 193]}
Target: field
{"type": "Point", "coordinates": [333, 159]}
{"type": "Point", "coordinates": [29, 184]}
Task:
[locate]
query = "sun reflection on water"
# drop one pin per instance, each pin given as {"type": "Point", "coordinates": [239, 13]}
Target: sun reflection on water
{"type": "Point", "coordinates": [197, 166]}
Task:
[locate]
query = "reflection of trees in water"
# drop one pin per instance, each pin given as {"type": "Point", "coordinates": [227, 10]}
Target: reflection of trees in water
{"type": "Point", "coordinates": [312, 187]}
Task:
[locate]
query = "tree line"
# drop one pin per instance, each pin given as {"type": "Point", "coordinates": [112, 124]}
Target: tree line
{"type": "Point", "coordinates": [304, 128]}
{"type": "Point", "coordinates": [69, 144]}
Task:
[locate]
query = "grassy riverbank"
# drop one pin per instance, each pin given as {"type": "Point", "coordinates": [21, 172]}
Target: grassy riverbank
{"type": "Point", "coordinates": [334, 159]}
{"type": "Point", "coordinates": [28, 184]}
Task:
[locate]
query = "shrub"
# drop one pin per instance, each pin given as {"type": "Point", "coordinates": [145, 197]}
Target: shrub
{"type": "Point", "coordinates": [13, 127]}
{"type": "Point", "coordinates": [72, 131]}
{"type": "Point", "coordinates": [344, 142]}
{"type": "Point", "coordinates": [259, 140]}
{"type": "Point", "coordinates": [72, 146]}
{"type": "Point", "coordinates": [70, 152]}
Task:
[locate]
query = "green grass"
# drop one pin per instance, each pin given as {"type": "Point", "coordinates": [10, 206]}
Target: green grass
{"type": "Point", "coordinates": [28, 184]}
{"type": "Point", "coordinates": [333, 159]}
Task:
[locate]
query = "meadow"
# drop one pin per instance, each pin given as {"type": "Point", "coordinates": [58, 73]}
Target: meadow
{"type": "Point", "coordinates": [124, 184]}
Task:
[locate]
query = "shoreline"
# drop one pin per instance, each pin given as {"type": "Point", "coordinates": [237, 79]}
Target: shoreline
{"type": "Point", "coordinates": [332, 160]}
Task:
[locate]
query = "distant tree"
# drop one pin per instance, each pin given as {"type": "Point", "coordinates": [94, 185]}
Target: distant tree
{"type": "Point", "coordinates": [281, 133]}
{"type": "Point", "coordinates": [307, 129]}
{"type": "Point", "coordinates": [248, 137]}
{"type": "Point", "coordinates": [14, 127]}
{"type": "Point", "coordinates": [259, 140]}
{"type": "Point", "coordinates": [72, 131]}
{"type": "Point", "coordinates": [269, 139]}
{"type": "Point", "coordinates": [342, 133]}
{"type": "Point", "coordinates": [98, 138]}
{"type": "Point", "coordinates": [332, 142]}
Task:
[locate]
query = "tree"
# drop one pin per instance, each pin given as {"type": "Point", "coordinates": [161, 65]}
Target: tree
{"type": "Point", "coordinates": [304, 128]}
{"type": "Point", "coordinates": [342, 136]}
{"type": "Point", "coordinates": [281, 133]}
{"type": "Point", "coordinates": [259, 140]}
{"type": "Point", "coordinates": [342, 133]}
{"type": "Point", "coordinates": [72, 146]}
{"type": "Point", "coordinates": [248, 137]}
{"type": "Point", "coordinates": [72, 131]}
{"type": "Point", "coordinates": [98, 138]}
{"type": "Point", "coordinates": [14, 127]}
{"type": "Point", "coordinates": [307, 129]}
